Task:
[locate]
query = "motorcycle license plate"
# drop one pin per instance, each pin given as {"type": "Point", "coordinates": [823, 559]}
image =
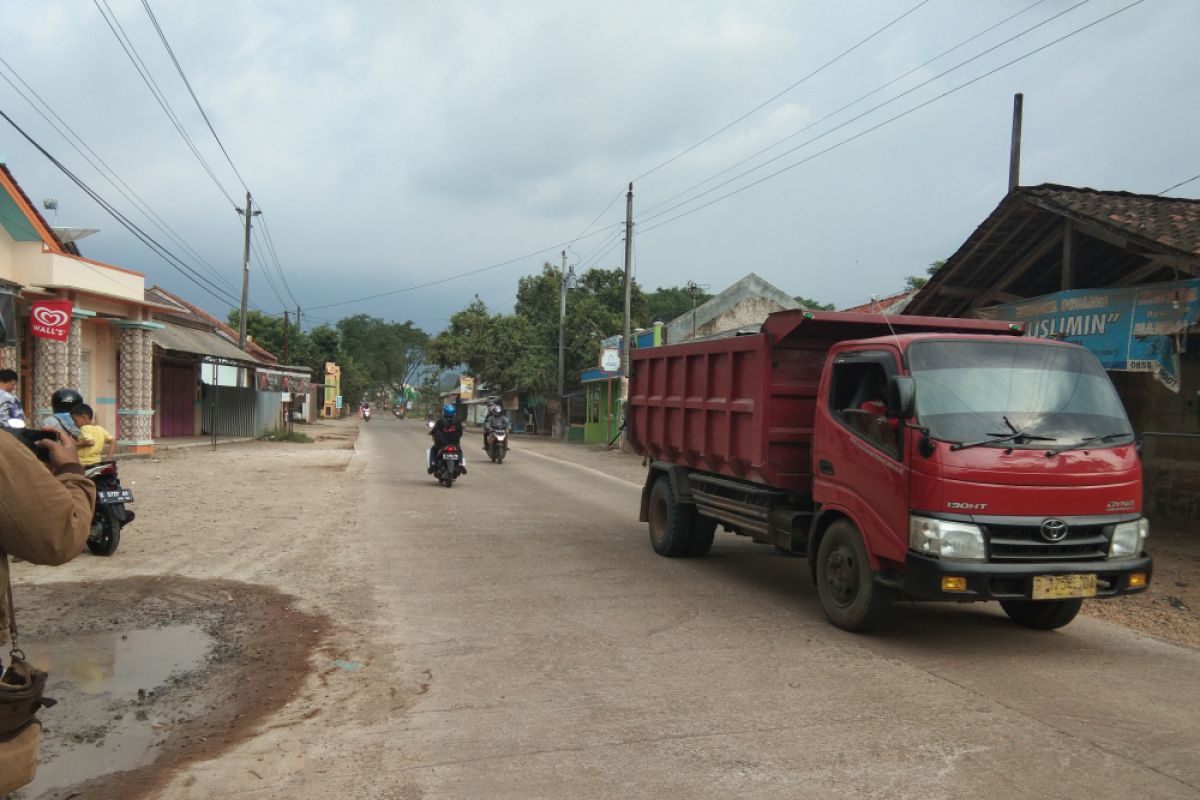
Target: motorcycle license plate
{"type": "Point", "coordinates": [451, 457]}
{"type": "Point", "coordinates": [1061, 587]}
{"type": "Point", "coordinates": [115, 496]}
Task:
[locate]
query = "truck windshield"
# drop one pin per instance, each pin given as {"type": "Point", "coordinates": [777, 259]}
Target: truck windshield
{"type": "Point", "coordinates": [1020, 393]}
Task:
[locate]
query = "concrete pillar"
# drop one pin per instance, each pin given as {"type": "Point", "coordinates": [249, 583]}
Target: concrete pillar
{"type": "Point", "coordinates": [51, 371]}
{"type": "Point", "coordinates": [135, 410]}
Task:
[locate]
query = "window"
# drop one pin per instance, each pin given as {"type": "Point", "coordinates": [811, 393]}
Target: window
{"type": "Point", "coordinates": [858, 399]}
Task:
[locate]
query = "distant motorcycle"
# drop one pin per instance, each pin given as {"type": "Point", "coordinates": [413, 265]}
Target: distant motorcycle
{"type": "Point", "coordinates": [110, 515]}
{"type": "Point", "coordinates": [496, 439]}
{"type": "Point", "coordinates": [366, 415]}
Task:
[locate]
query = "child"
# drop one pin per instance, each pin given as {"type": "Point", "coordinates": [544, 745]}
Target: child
{"type": "Point", "coordinates": [93, 438]}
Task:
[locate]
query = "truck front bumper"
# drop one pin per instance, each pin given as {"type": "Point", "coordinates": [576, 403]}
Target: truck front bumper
{"type": "Point", "coordinates": [1012, 581]}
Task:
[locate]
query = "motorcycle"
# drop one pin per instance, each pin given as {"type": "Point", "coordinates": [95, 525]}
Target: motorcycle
{"type": "Point", "coordinates": [366, 415]}
{"type": "Point", "coordinates": [110, 515]}
{"type": "Point", "coordinates": [447, 465]}
{"type": "Point", "coordinates": [497, 443]}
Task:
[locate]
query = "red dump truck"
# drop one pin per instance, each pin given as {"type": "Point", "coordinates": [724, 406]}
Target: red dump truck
{"type": "Point", "coordinates": [905, 457]}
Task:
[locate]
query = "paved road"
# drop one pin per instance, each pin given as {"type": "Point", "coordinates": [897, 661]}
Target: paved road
{"type": "Point", "coordinates": [559, 657]}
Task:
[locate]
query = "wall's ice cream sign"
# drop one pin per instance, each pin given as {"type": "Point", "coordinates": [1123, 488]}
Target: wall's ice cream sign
{"type": "Point", "coordinates": [1135, 329]}
{"type": "Point", "coordinates": [51, 319]}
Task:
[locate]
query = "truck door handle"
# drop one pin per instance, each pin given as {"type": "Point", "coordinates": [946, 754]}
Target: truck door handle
{"type": "Point", "coordinates": [826, 467]}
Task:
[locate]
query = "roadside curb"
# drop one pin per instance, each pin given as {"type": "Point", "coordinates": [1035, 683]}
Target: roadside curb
{"type": "Point", "coordinates": [205, 443]}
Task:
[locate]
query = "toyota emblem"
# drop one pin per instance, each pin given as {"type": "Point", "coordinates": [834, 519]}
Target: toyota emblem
{"type": "Point", "coordinates": [1054, 530]}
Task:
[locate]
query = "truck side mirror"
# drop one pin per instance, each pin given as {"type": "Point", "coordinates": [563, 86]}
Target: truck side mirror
{"type": "Point", "coordinates": [902, 394]}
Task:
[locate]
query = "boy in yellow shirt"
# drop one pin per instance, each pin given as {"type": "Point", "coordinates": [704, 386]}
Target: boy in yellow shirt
{"type": "Point", "coordinates": [92, 437]}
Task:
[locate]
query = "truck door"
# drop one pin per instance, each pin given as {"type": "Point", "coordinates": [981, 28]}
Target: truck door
{"type": "Point", "coordinates": [859, 451]}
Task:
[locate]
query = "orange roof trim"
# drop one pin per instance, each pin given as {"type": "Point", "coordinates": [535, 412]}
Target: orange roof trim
{"type": "Point", "coordinates": [49, 240]}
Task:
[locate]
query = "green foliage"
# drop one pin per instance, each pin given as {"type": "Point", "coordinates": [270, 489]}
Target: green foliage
{"type": "Point", "coordinates": [814, 305]}
{"type": "Point", "coordinates": [668, 303]}
{"type": "Point", "coordinates": [283, 435]}
{"type": "Point", "coordinates": [917, 281]}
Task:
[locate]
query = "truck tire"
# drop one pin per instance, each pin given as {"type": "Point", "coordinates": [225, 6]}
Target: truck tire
{"type": "Point", "coordinates": [671, 524]}
{"type": "Point", "coordinates": [704, 529]}
{"type": "Point", "coordinates": [1044, 615]}
{"type": "Point", "coordinates": [849, 595]}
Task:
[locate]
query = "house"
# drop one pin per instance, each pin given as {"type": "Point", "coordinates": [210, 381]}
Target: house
{"type": "Point", "coordinates": [892, 304]}
{"type": "Point", "coordinates": [747, 302]}
{"type": "Point", "coordinates": [1116, 272]}
{"type": "Point", "coordinates": [600, 399]}
{"type": "Point", "coordinates": [95, 324]}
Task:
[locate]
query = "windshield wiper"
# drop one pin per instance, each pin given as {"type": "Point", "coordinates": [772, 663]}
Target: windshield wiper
{"type": "Point", "coordinates": [1104, 437]}
{"type": "Point", "coordinates": [1000, 438]}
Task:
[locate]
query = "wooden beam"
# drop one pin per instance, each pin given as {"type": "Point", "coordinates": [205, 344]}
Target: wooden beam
{"type": "Point", "coordinates": [1018, 270]}
{"type": "Point", "coordinates": [1067, 255]}
{"type": "Point", "coordinates": [958, 291]}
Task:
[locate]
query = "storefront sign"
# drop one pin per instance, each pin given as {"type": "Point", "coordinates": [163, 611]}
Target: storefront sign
{"type": "Point", "coordinates": [610, 359]}
{"type": "Point", "coordinates": [51, 319]}
{"type": "Point", "coordinates": [272, 381]}
{"type": "Point", "coordinates": [466, 388]}
{"type": "Point", "coordinates": [1135, 329]}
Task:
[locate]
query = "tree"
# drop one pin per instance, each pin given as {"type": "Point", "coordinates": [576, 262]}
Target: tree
{"type": "Point", "coordinates": [917, 281]}
{"type": "Point", "coordinates": [814, 305]}
{"type": "Point", "coordinates": [667, 303]}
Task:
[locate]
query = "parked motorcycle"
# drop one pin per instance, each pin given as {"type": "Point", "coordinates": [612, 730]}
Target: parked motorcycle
{"type": "Point", "coordinates": [497, 443]}
{"type": "Point", "coordinates": [110, 515]}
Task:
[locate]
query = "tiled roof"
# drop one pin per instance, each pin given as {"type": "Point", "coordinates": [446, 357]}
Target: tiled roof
{"type": "Point", "coordinates": [195, 314]}
{"type": "Point", "coordinates": [892, 304]}
{"type": "Point", "coordinates": [1170, 221]}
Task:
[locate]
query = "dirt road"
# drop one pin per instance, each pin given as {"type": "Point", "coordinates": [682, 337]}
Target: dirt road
{"type": "Point", "coordinates": [515, 637]}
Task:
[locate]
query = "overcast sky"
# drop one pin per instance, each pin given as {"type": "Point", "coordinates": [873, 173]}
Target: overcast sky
{"type": "Point", "coordinates": [395, 143]}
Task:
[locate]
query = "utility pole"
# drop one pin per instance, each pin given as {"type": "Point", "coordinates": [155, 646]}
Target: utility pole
{"type": "Point", "coordinates": [627, 342]}
{"type": "Point", "coordinates": [249, 214]}
{"type": "Point", "coordinates": [564, 284]}
{"type": "Point", "coordinates": [1014, 156]}
{"type": "Point", "coordinates": [285, 337]}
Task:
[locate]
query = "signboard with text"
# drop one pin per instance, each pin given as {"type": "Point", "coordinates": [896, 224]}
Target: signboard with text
{"type": "Point", "coordinates": [610, 359]}
{"type": "Point", "coordinates": [51, 319]}
{"type": "Point", "coordinates": [1134, 329]}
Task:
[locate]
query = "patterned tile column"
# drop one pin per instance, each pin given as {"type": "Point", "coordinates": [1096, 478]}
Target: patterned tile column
{"type": "Point", "coordinates": [51, 361]}
{"type": "Point", "coordinates": [135, 414]}
{"type": "Point", "coordinates": [9, 358]}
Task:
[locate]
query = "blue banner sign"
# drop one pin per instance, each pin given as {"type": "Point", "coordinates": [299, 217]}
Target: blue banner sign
{"type": "Point", "coordinates": [1134, 329]}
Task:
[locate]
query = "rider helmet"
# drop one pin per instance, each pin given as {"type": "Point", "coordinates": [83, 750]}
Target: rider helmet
{"type": "Point", "coordinates": [448, 411]}
{"type": "Point", "coordinates": [495, 409]}
{"type": "Point", "coordinates": [63, 400]}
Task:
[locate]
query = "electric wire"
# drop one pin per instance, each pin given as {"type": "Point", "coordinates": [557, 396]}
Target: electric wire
{"type": "Point", "coordinates": [1181, 183]}
{"type": "Point", "coordinates": [887, 102]}
{"type": "Point", "coordinates": [174, 261]}
{"type": "Point", "coordinates": [885, 122]}
{"type": "Point", "coordinates": [851, 104]}
{"type": "Point", "coordinates": [108, 173]}
{"type": "Point", "coordinates": [275, 257]}
{"type": "Point", "coordinates": [178, 68]}
{"type": "Point", "coordinates": [598, 216]}
{"type": "Point", "coordinates": [776, 96]}
{"type": "Point", "coordinates": [127, 45]}
{"type": "Point", "coordinates": [457, 276]}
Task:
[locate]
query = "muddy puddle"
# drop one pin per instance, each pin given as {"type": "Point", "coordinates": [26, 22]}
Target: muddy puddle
{"type": "Point", "coordinates": [118, 674]}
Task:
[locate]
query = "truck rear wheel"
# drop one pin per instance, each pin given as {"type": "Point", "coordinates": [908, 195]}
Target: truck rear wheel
{"type": "Point", "coordinates": [1044, 615]}
{"type": "Point", "coordinates": [849, 595]}
{"type": "Point", "coordinates": [673, 525]}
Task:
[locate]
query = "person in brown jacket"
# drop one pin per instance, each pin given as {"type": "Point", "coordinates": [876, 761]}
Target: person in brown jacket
{"type": "Point", "coordinates": [45, 518]}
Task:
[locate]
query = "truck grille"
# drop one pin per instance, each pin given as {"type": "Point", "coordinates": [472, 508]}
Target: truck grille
{"type": "Point", "coordinates": [1025, 543]}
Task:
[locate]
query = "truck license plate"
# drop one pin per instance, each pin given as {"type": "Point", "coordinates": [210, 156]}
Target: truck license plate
{"type": "Point", "coordinates": [1059, 587]}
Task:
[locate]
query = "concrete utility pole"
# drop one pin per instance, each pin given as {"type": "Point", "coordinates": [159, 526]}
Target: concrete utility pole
{"type": "Point", "coordinates": [286, 324]}
{"type": "Point", "coordinates": [248, 213]}
{"type": "Point", "coordinates": [627, 341]}
{"type": "Point", "coordinates": [1014, 156]}
{"type": "Point", "coordinates": [564, 285]}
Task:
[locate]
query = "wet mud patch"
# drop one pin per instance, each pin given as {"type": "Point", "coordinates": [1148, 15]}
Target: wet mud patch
{"type": "Point", "coordinates": [153, 673]}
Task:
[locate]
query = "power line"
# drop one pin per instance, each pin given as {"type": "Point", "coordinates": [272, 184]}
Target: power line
{"type": "Point", "coordinates": [108, 173]}
{"type": "Point", "coordinates": [890, 120]}
{"type": "Point", "coordinates": [178, 264]}
{"type": "Point", "coordinates": [127, 45]}
{"type": "Point", "coordinates": [459, 275]}
{"type": "Point", "coordinates": [187, 83]}
{"type": "Point", "coordinates": [1181, 183]}
{"type": "Point", "coordinates": [875, 108]}
{"type": "Point", "coordinates": [854, 102]}
{"type": "Point", "coordinates": [776, 96]}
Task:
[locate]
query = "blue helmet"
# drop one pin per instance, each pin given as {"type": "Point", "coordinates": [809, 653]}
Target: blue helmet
{"type": "Point", "coordinates": [448, 410]}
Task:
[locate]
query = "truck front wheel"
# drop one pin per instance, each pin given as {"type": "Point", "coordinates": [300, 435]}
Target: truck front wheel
{"type": "Point", "coordinates": [849, 595]}
{"type": "Point", "coordinates": [1044, 615]}
{"type": "Point", "coordinates": [672, 525]}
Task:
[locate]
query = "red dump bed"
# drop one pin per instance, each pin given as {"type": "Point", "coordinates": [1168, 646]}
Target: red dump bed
{"type": "Point", "coordinates": [743, 406]}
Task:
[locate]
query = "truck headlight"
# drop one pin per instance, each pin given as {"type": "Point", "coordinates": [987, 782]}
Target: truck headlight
{"type": "Point", "coordinates": [959, 541]}
{"type": "Point", "coordinates": [1128, 538]}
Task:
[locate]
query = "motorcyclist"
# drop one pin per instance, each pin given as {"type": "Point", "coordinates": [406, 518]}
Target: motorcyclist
{"type": "Point", "coordinates": [446, 430]}
{"type": "Point", "coordinates": [495, 420]}
{"type": "Point", "coordinates": [61, 403]}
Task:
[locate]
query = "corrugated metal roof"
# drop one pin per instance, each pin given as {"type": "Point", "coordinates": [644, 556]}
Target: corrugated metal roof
{"type": "Point", "coordinates": [181, 339]}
